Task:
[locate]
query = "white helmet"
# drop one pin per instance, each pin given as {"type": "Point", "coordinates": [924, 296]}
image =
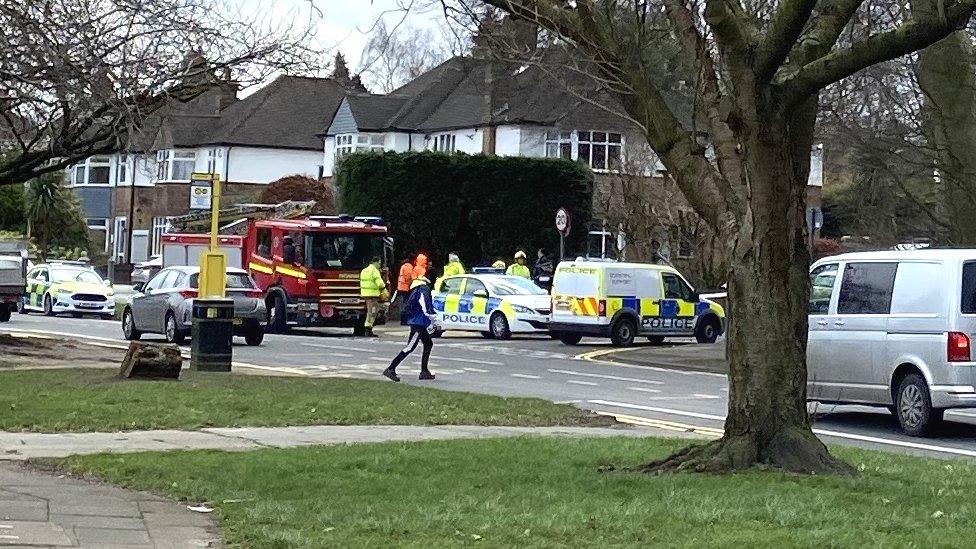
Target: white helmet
{"type": "Point", "coordinates": [520, 255]}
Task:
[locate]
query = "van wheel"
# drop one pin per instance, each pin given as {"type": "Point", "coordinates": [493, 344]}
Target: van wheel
{"type": "Point", "coordinates": [913, 405]}
{"type": "Point", "coordinates": [707, 330]}
{"type": "Point", "coordinates": [277, 314]}
{"type": "Point", "coordinates": [570, 338]}
{"type": "Point", "coordinates": [498, 325]}
{"type": "Point", "coordinates": [623, 331]}
{"type": "Point", "coordinates": [656, 340]}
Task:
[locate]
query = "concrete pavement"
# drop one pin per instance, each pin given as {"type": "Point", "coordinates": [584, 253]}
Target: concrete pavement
{"type": "Point", "coordinates": [40, 510]}
{"type": "Point", "coordinates": [20, 446]}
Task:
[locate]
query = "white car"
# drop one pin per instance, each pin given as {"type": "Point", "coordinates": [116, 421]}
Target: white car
{"type": "Point", "coordinates": [495, 305]}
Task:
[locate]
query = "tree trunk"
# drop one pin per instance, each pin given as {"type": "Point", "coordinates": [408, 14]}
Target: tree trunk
{"type": "Point", "coordinates": [767, 422]}
{"type": "Point", "coordinates": [946, 74]}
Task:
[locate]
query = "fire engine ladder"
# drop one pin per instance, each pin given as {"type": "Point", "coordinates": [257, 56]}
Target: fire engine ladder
{"type": "Point", "coordinates": [233, 220]}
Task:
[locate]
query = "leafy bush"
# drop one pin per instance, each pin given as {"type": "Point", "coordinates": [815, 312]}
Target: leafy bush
{"type": "Point", "coordinates": [54, 216]}
{"type": "Point", "coordinates": [12, 208]}
{"type": "Point", "coordinates": [483, 207]}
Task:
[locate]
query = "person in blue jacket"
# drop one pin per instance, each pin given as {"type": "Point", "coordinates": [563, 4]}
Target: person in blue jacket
{"type": "Point", "coordinates": [418, 309]}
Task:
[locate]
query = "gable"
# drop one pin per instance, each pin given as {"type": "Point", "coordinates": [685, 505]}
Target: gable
{"type": "Point", "coordinates": [343, 121]}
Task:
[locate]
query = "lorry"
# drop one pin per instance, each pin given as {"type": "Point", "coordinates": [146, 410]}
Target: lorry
{"type": "Point", "coordinates": [307, 267]}
{"type": "Point", "coordinates": [13, 279]}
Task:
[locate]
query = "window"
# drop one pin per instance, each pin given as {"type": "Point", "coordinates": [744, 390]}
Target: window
{"type": "Point", "coordinates": [98, 229]}
{"type": "Point", "coordinates": [345, 251]}
{"type": "Point", "coordinates": [93, 171]}
{"type": "Point", "coordinates": [559, 145]}
{"type": "Point", "coordinates": [120, 240]}
{"type": "Point", "coordinates": [599, 150]}
{"type": "Point", "coordinates": [157, 281]}
{"type": "Point", "coordinates": [968, 305]}
{"type": "Point", "coordinates": [473, 286]}
{"type": "Point", "coordinates": [514, 285]}
{"type": "Point", "coordinates": [822, 288]}
{"type": "Point", "coordinates": [866, 288]}
{"type": "Point", "coordinates": [122, 170]}
{"type": "Point", "coordinates": [444, 143]}
{"type": "Point", "coordinates": [171, 280]}
{"type": "Point", "coordinates": [211, 160]}
{"type": "Point", "coordinates": [263, 248]}
{"type": "Point", "coordinates": [451, 285]}
{"type": "Point", "coordinates": [174, 165]}
{"type": "Point", "coordinates": [160, 226]}
{"type": "Point", "coordinates": [919, 289]}
{"type": "Point", "coordinates": [676, 288]}
{"type": "Point", "coordinates": [361, 142]}
{"type": "Point", "coordinates": [234, 281]}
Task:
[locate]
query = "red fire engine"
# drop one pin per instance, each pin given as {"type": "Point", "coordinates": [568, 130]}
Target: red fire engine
{"type": "Point", "coordinates": [308, 268]}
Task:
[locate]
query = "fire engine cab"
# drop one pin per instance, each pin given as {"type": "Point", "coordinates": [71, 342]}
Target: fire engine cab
{"type": "Point", "coordinates": [308, 267]}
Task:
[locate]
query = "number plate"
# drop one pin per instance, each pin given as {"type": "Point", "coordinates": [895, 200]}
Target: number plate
{"type": "Point", "coordinates": [350, 301]}
{"type": "Point", "coordinates": [87, 305]}
{"type": "Point", "coordinates": [238, 321]}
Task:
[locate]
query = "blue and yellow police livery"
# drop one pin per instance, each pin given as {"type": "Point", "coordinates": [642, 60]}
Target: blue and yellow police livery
{"type": "Point", "coordinates": [67, 287]}
{"type": "Point", "coordinates": [624, 300]}
{"type": "Point", "coordinates": [495, 305]}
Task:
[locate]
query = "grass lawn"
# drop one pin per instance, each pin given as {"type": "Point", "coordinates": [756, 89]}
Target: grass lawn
{"type": "Point", "coordinates": [88, 399]}
{"type": "Point", "coordinates": [542, 492]}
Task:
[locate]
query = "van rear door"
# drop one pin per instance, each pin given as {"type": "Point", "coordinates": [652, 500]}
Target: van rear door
{"type": "Point", "coordinates": [576, 293]}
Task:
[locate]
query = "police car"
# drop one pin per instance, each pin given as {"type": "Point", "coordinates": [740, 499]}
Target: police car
{"type": "Point", "coordinates": [67, 287]}
{"type": "Point", "coordinates": [495, 305]}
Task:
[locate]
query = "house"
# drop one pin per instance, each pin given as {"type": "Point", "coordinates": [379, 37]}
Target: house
{"type": "Point", "coordinates": [249, 142]}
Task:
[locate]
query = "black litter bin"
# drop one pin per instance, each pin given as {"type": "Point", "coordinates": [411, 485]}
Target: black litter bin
{"type": "Point", "coordinates": [211, 348]}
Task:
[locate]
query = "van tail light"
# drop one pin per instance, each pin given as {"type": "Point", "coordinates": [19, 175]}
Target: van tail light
{"type": "Point", "coordinates": [603, 307]}
{"type": "Point", "coordinates": [254, 293]}
{"type": "Point", "coordinates": [957, 349]}
{"type": "Point", "coordinates": [188, 294]}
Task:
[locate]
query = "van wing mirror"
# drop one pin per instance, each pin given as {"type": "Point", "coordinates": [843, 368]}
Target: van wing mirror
{"type": "Point", "coordinates": [139, 287]}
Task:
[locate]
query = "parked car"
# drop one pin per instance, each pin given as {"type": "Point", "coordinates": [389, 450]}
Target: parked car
{"type": "Point", "coordinates": [67, 287]}
{"type": "Point", "coordinates": [164, 305]}
{"type": "Point", "coordinates": [623, 300]}
{"type": "Point", "coordinates": [894, 329]}
{"type": "Point", "coordinates": [144, 270]}
{"type": "Point", "coordinates": [495, 305]}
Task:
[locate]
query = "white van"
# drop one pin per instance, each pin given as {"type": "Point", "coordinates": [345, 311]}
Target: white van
{"type": "Point", "coordinates": [894, 329]}
{"type": "Point", "coordinates": [624, 300]}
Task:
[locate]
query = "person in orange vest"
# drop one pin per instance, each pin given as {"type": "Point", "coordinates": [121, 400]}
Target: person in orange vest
{"type": "Point", "coordinates": [420, 266]}
{"type": "Point", "coordinates": [404, 279]}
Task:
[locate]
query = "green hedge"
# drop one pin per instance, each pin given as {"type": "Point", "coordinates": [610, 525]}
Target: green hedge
{"type": "Point", "coordinates": [484, 207]}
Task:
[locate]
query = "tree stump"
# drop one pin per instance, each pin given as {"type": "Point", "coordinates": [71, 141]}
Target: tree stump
{"type": "Point", "coordinates": [151, 360]}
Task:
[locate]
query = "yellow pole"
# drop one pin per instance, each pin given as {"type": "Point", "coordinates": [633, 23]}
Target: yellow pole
{"type": "Point", "coordinates": [215, 213]}
{"type": "Point", "coordinates": [213, 262]}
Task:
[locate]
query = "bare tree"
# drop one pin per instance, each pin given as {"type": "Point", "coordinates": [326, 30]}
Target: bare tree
{"type": "Point", "coordinates": [393, 57]}
{"type": "Point", "coordinates": [758, 71]}
{"type": "Point", "coordinates": [77, 77]}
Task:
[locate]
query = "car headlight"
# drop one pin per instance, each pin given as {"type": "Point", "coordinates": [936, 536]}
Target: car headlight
{"type": "Point", "coordinates": [522, 309]}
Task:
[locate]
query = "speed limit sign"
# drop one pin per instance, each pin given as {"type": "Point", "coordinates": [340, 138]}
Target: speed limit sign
{"type": "Point", "coordinates": [562, 221]}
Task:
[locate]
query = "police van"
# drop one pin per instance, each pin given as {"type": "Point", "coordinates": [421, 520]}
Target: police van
{"type": "Point", "coordinates": [623, 300]}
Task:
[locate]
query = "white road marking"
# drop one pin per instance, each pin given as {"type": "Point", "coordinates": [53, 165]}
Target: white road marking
{"type": "Point", "coordinates": [467, 360]}
{"type": "Point", "coordinates": [340, 348]}
{"type": "Point", "coordinates": [824, 432]}
{"type": "Point", "coordinates": [579, 382]}
{"type": "Point", "coordinates": [676, 370]}
{"type": "Point", "coordinates": [643, 389]}
{"type": "Point", "coordinates": [702, 395]}
{"type": "Point", "coordinates": [7, 536]}
{"type": "Point", "coordinates": [478, 370]}
{"type": "Point", "coordinates": [603, 376]}
{"type": "Point", "coordinates": [525, 376]}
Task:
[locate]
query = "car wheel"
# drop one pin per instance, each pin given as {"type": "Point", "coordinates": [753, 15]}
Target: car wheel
{"type": "Point", "coordinates": [48, 305]}
{"type": "Point", "coordinates": [486, 335]}
{"type": "Point", "coordinates": [22, 306]}
{"type": "Point", "coordinates": [913, 405]}
{"type": "Point", "coordinates": [359, 330]}
{"type": "Point", "coordinates": [277, 314]}
{"type": "Point", "coordinates": [707, 330]}
{"type": "Point", "coordinates": [171, 331]}
{"type": "Point", "coordinates": [570, 338]}
{"type": "Point", "coordinates": [498, 326]}
{"type": "Point", "coordinates": [623, 331]}
{"type": "Point", "coordinates": [4, 314]}
{"type": "Point", "coordinates": [656, 340]}
{"type": "Point", "coordinates": [129, 326]}
{"type": "Point", "coordinates": [254, 335]}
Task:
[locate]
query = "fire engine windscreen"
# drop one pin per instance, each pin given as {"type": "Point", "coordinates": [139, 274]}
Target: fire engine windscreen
{"type": "Point", "coordinates": [342, 251]}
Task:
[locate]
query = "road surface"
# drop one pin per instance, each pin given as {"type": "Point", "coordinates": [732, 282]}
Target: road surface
{"type": "Point", "coordinates": [590, 376]}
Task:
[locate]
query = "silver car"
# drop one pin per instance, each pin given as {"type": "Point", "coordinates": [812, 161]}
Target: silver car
{"type": "Point", "coordinates": [164, 305]}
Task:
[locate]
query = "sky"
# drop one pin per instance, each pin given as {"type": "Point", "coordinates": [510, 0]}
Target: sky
{"type": "Point", "coordinates": [345, 25]}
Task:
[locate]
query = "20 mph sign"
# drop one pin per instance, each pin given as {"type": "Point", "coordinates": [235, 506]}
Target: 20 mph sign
{"type": "Point", "coordinates": [562, 221]}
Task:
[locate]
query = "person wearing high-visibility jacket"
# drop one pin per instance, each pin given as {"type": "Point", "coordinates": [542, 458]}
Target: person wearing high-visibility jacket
{"type": "Point", "coordinates": [454, 266]}
{"type": "Point", "coordinates": [420, 267]}
{"type": "Point", "coordinates": [372, 289]}
{"type": "Point", "coordinates": [403, 285]}
{"type": "Point", "coordinates": [519, 268]}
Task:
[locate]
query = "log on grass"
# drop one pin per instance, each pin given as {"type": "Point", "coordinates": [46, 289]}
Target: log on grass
{"type": "Point", "coordinates": [151, 360]}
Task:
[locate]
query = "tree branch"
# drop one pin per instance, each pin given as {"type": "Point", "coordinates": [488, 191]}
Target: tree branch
{"type": "Point", "coordinates": [824, 32]}
{"type": "Point", "coordinates": [734, 29]}
{"type": "Point", "coordinates": [783, 32]}
{"type": "Point", "coordinates": [885, 46]}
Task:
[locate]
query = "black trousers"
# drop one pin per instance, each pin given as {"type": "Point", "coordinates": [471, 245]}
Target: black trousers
{"type": "Point", "coordinates": [417, 335]}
